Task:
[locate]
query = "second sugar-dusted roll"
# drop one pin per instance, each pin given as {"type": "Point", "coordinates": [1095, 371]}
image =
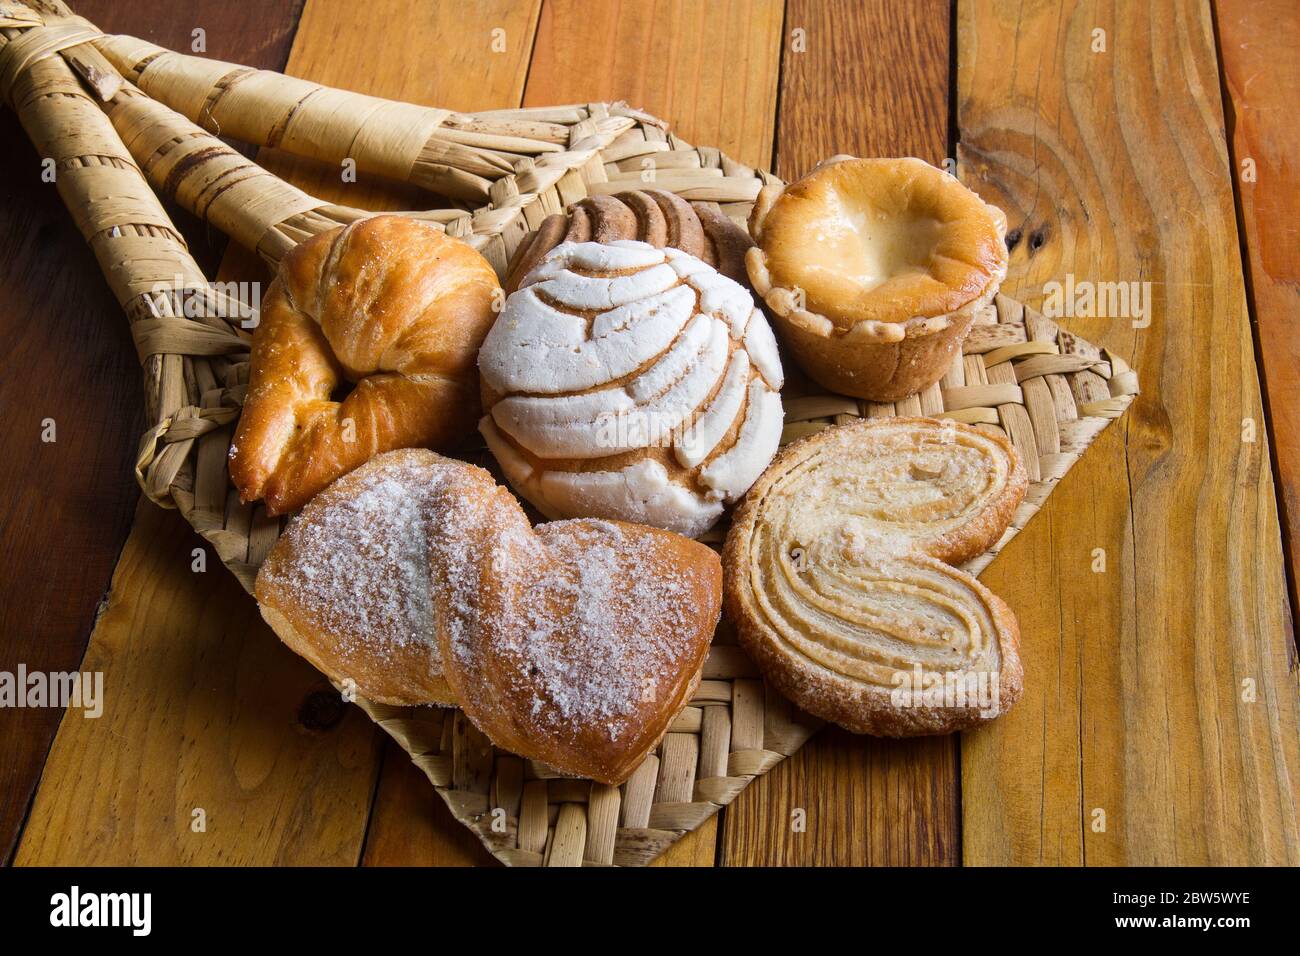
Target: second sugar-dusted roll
{"type": "Point", "coordinates": [631, 382]}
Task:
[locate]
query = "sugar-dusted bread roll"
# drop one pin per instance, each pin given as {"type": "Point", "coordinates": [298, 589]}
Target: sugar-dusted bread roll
{"type": "Point", "coordinates": [577, 642]}
{"type": "Point", "coordinates": [839, 575]}
{"type": "Point", "coordinates": [347, 584]}
{"type": "Point", "coordinates": [631, 382]}
{"type": "Point", "coordinates": [418, 579]}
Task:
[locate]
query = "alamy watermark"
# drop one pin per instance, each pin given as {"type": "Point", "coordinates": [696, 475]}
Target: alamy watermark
{"type": "Point", "coordinates": [233, 301]}
{"type": "Point", "coordinates": [1085, 299]}
{"type": "Point", "coordinates": [961, 689]}
{"type": "Point", "coordinates": [640, 429]}
{"type": "Point", "coordinates": [60, 689]}
{"type": "Point", "coordinates": [133, 911]}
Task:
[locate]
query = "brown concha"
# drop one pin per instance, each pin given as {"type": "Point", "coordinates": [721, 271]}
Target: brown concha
{"type": "Point", "coordinates": [650, 215]}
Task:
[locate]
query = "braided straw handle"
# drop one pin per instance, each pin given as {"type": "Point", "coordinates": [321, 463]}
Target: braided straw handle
{"type": "Point", "coordinates": [193, 365]}
{"type": "Point", "coordinates": [448, 153]}
{"type": "Point", "coordinates": [143, 257]}
{"type": "Point", "coordinates": [204, 176]}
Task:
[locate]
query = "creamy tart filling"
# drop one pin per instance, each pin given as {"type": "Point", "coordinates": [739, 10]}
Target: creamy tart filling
{"type": "Point", "coordinates": [876, 243]}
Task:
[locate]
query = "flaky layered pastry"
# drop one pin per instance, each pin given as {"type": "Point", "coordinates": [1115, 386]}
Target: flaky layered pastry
{"type": "Point", "coordinates": [417, 579]}
{"type": "Point", "coordinates": [389, 305]}
{"type": "Point", "coordinates": [839, 576]}
{"type": "Point", "coordinates": [630, 382]}
{"type": "Point", "coordinates": [653, 216]}
{"type": "Point", "coordinates": [874, 269]}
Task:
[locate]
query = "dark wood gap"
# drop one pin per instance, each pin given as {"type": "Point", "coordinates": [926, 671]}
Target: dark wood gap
{"type": "Point", "coordinates": [1288, 521]}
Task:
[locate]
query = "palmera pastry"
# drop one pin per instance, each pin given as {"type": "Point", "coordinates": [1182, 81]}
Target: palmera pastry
{"type": "Point", "coordinates": [630, 382]}
{"type": "Point", "coordinates": [418, 579]}
{"type": "Point", "coordinates": [655, 216]}
{"type": "Point", "coordinates": [875, 269]}
{"type": "Point", "coordinates": [389, 303]}
{"type": "Point", "coordinates": [839, 576]}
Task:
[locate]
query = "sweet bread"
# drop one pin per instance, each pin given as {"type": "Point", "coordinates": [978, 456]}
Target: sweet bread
{"type": "Point", "coordinates": [347, 584]}
{"type": "Point", "coordinates": [654, 216]}
{"type": "Point", "coordinates": [874, 270]}
{"type": "Point", "coordinates": [576, 642]}
{"type": "Point", "coordinates": [389, 304]}
{"type": "Point", "coordinates": [417, 579]}
{"type": "Point", "coordinates": [839, 576]}
{"type": "Point", "coordinates": [634, 383]}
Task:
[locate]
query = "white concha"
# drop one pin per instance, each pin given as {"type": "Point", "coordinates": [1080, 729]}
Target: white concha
{"type": "Point", "coordinates": [631, 382]}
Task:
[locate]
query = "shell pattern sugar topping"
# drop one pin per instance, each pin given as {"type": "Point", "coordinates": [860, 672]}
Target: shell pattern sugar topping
{"type": "Point", "coordinates": [631, 382]}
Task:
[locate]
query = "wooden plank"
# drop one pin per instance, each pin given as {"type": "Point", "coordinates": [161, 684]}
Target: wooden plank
{"type": "Point", "coordinates": [435, 54]}
{"type": "Point", "coordinates": [410, 825]}
{"type": "Point", "coordinates": [69, 503]}
{"type": "Point", "coordinates": [1259, 48]}
{"type": "Point", "coordinates": [661, 56]}
{"type": "Point", "coordinates": [204, 710]}
{"type": "Point", "coordinates": [664, 56]}
{"type": "Point", "coordinates": [872, 79]}
{"type": "Point", "coordinates": [1112, 166]}
{"type": "Point", "coordinates": [868, 78]}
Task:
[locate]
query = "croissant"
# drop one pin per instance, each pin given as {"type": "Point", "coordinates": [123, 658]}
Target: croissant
{"type": "Point", "coordinates": [630, 382]}
{"type": "Point", "coordinates": [839, 576]}
{"type": "Point", "coordinates": [418, 579]}
{"type": "Point", "coordinates": [389, 305]}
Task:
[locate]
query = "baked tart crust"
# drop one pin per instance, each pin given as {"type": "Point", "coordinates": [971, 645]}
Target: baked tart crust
{"type": "Point", "coordinates": [875, 269]}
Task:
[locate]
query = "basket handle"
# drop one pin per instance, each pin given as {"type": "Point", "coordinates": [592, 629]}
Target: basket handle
{"type": "Point", "coordinates": [144, 258]}
{"type": "Point", "coordinates": [452, 154]}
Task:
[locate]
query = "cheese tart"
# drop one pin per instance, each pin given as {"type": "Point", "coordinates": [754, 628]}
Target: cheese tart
{"type": "Point", "coordinates": [874, 270]}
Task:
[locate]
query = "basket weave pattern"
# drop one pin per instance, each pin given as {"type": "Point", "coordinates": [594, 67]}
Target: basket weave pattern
{"type": "Point", "coordinates": [1049, 391]}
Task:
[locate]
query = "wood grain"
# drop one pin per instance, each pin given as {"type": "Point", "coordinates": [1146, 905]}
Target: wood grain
{"type": "Point", "coordinates": [662, 56]}
{"type": "Point", "coordinates": [864, 800]}
{"type": "Point", "coordinates": [203, 709]}
{"type": "Point", "coordinates": [1112, 166]}
{"type": "Point", "coordinates": [434, 54]}
{"type": "Point", "coordinates": [871, 80]}
{"type": "Point", "coordinates": [69, 503]}
{"type": "Point", "coordinates": [1259, 51]}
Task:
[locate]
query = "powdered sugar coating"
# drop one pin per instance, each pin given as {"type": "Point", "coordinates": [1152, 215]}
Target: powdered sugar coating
{"type": "Point", "coordinates": [582, 621]}
{"type": "Point", "coordinates": [360, 568]}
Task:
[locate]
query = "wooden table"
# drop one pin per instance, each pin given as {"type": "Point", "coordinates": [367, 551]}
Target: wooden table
{"type": "Point", "coordinates": [1128, 141]}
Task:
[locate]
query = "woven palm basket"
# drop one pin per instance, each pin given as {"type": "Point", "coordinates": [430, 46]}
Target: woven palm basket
{"type": "Point", "coordinates": [88, 102]}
